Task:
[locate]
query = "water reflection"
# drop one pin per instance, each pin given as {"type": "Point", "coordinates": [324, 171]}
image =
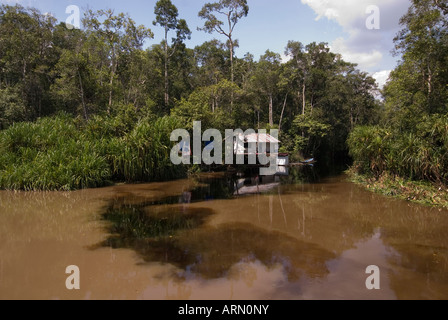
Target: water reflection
{"type": "Point", "coordinates": [171, 231]}
{"type": "Point", "coordinates": [312, 230]}
{"type": "Point", "coordinates": [177, 235]}
{"type": "Point", "coordinates": [222, 236]}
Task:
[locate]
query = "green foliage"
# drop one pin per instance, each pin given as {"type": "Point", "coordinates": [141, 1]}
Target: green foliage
{"type": "Point", "coordinates": [330, 97]}
{"type": "Point", "coordinates": [118, 96]}
{"type": "Point", "coordinates": [167, 17]}
{"type": "Point", "coordinates": [412, 143]}
{"type": "Point", "coordinates": [63, 153]}
{"type": "Point", "coordinates": [310, 130]}
{"type": "Point", "coordinates": [46, 155]}
{"type": "Point", "coordinates": [211, 105]}
{"type": "Point", "coordinates": [26, 59]}
{"type": "Point", "coordinates": [419, 155]}
{"type": "Point", "coordinates": [418, 86]}
{"type": "Point", "coordinates": [232, 11]}
{"type": "Point", "coordinates": [266, 79]}
{"type": "Point", "coordinates": [144, 153]}
{"type": "Point", "coordinates": [195, 108]}
{"type": "Point", "coordinates": [369, 147]}
{"type": "Point", "coordinates": [421, 192]}
{"type": "Point", "coordinates": [12, 106]}
{"type": "Point", "coordinates": [212, 63]}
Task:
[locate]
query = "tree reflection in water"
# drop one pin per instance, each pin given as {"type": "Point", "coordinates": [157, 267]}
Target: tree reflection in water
{"type": "Point", "coordinates": [177, 234]}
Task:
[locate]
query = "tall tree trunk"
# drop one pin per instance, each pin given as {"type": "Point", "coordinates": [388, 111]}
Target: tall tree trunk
{"type": "Point", "coordinates": [271, 110]}
{"type": "Point", "coordinates": [255, 117]}
{"type": "Point", "coordinates": [303, 103]}
{"type": "Point", "coordinates": [232, 75]}
{"type": "Point", "coordinates": [111, 83]}
{"type": "Point", "coordinates": [303, 98]}
{"type": "Point", "coordinates": [24, 70]}
{"type": "Point", "coordinates": [429, 82]}
{"type": "Point", "coordinates": [82, 96]}
{"type": "Point", "coordinates": [167, 96]}
{"type": "Point", "coordinates": [101, 73]}
{"type": "Point", "coordinates": [283, 111]}
{"type": "Point", "coordinates": [312, 103]}
{"type": "Point", "coordinates": [352, 120]}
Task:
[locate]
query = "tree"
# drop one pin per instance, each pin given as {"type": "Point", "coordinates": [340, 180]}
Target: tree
{"type": "Point", "coordinates": [167, 17]}
{"type": "Point", "coordinates": [197, 108]}
{"type": "Point", "coordinates": [332, 98]}
{"type": "Point", "coordinates": [312, 128]}
{"type": "Point", "coordinates": [412, 142]}
{"type": "Point", "coordinates": [322, 64]}
{"type": "Point", "coordinates": [74, 73]}
{"type": "Point", "coordinates": [266, 78]}
{"type": "Point", "coordinates": [418, 85]}
{"type": "Point", "coordinates": [27, 55]}
{"type": "Point", "coordinates": [182, 66]}
{"type": "Point", "coordinates": [120, 35]}
{"type": "Point", "coordinates": [245, 69]}
{"type": "Point", "coordinates": [211, 63]}
{"type": "Point", "coordinates": [12, 106]}
{"type": "Point", "coordinates": [233, 11]}
{"type": "Point", "coordinates": [299, 65]}
{"type": "Point", "coordinates": [135, 80]}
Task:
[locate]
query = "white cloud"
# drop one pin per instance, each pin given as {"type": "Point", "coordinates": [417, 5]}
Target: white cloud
{"type": "Point", "coordinates": [350, 13]}
{"type": "Point", "coordinates": [365, 60]}
{"type": "Point", "coordinates": [365, 47]}
{"type": "Point", "coordinates": [331, 14]}
{"type": "Point", "coordinates": [342, 11]}
{"type": "Point", "coordinates": [382, 77]}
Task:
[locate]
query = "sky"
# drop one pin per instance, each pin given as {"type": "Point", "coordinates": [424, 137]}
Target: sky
{"type": "Point", "coordinates": [346, 25]}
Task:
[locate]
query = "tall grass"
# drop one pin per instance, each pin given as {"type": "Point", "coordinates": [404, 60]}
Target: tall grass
{"type": "Point", "coordinates": [63, 153]}
{"type": "Point", "coordinates": [145, 152]}
{"type": "Point", "coordinates": [418, 155]}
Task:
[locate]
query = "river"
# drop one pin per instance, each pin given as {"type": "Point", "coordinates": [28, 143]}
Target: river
{"type": "Point", "coordinates": [222, 237]}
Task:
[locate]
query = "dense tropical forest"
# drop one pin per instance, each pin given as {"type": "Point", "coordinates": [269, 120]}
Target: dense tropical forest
{"type": "Point", "coordinates": [87, 107]}
{"type": "Point", "coordinates": [411, 141]}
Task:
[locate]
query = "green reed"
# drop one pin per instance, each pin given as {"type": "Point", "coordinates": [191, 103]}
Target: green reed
{"type": "Point", "coordinates": [63, 153]}
{"type": "Point", "coordinates": [418, 155]}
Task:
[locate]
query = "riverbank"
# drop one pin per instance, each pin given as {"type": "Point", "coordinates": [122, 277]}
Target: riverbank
{"type": "Point", "coordinates": [419, 192]}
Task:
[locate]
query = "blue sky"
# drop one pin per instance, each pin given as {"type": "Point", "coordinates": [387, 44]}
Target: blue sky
{"type": "Point", "coordinates": [271, 24]}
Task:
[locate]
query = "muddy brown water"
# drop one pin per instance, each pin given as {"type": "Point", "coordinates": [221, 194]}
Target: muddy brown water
{"type": "Point", "coordinates": [202, 239]}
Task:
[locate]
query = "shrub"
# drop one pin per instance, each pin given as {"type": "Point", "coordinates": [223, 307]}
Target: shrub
{"type": "Point", "coordinates": [419, 155]}
{"type": "Point", "coordinates": [62, 153]}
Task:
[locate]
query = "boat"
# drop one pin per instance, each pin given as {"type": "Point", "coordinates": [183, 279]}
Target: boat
{"type": "Point", "coordinates": [309, 161]}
